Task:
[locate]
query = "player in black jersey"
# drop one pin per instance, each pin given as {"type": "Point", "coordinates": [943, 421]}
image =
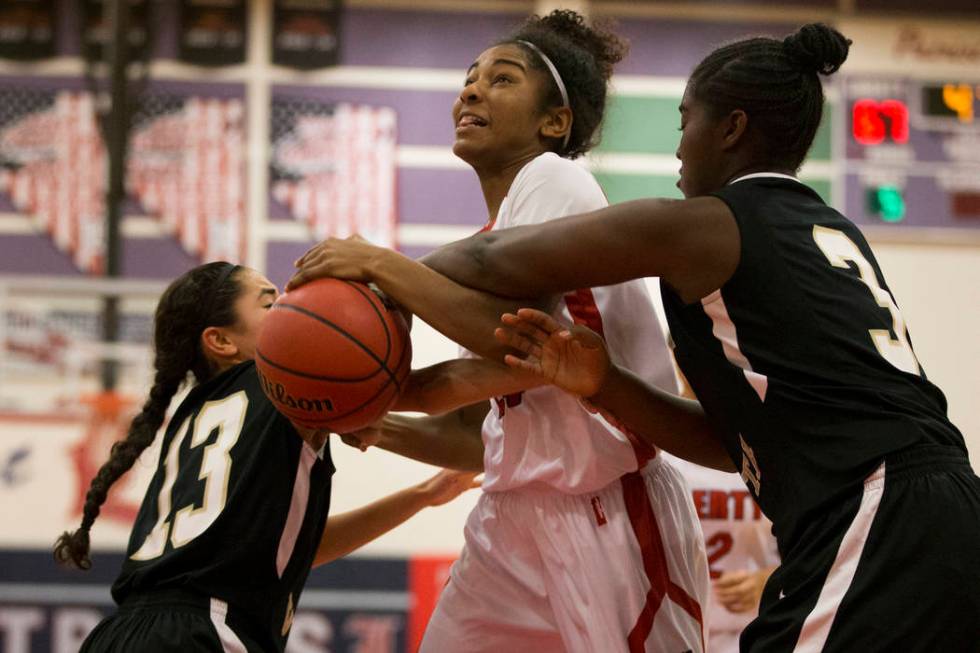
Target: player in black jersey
{"type": "Point", "coordinates": [785, 328]}
{"type": "Point", "coordinates": [236, 513]}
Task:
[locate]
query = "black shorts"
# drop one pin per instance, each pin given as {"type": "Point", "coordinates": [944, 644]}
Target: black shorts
{"type": "Point", "coordinates": [895, 568]}
{"type": "Point", "coordinates": [169, 621]}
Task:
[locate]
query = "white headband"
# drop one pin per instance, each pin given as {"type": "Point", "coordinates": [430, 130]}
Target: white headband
{"type": "Point", "coordinates": [557, 78]}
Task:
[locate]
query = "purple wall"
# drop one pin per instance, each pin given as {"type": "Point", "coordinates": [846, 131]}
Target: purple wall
{"type": "Point", "coordinates": [674, 47]}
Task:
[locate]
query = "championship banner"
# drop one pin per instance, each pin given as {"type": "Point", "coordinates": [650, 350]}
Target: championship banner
{"type": "Point", "coordinates": [306, 33]}
{"type": "Point", "coordinates": [186, 167]}
{"type": "Point", "coordinates": [54, 168]}
{"type": "Point", "coordinates": [333, 167]}
{"type": "Point", "coordinates": [27, 29]}
{"type": "Point", "coordinates": [212, 32]}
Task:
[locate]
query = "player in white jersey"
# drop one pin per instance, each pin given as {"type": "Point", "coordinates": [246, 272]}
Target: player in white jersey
{"type": "Point", "coordinates": [741, 550]}
{"type": "Point", "coordinates": [583, 540]}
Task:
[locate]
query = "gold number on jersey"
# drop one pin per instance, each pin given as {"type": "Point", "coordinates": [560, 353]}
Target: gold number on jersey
{"type": "Point", "coordinates": [156, 541]}
{"type": "Point", "coordinates": [228, 417]}
{"type": "Point", "coordinates": [839, 250]}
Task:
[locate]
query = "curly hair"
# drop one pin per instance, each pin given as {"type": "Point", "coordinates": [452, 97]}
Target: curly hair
{"type": "Point", "coordinates": [202, 297]}
{"type": "Point", "coordinates": [775, 83]}
{"type": "Point", "coordinates": [584, 57]}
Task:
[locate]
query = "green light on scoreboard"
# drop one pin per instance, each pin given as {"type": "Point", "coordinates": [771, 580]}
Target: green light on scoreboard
{"type": "Point", "coordinates": [887, 203]}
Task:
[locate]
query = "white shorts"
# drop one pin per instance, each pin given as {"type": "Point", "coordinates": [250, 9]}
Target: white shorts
{"type": "Point", "coordinates": [623, 569]}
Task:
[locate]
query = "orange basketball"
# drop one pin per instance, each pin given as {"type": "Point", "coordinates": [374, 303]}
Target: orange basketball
{"type": "Point", "coordinates": [332, 356]}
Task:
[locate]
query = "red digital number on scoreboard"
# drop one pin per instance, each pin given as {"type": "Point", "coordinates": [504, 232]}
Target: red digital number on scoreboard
{"type": "Point", "coordinates": [875, 120]}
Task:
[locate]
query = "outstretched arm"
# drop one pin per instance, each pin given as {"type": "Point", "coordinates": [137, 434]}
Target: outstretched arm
{"type": "Point", "coordinates": [452, 384]}
{"type": "Point", "coordinates": [453, 440]}
{"type": "Point", "coordinates": [464, 315]}
{"type": "Point", "coordinates": [350, 531]}
{"type": "Point", "coordinates": [674, 424]}
{"type": "Point", "coordinates": [576, 360]}
{"type": "Point", "coordinates": [692, 244]}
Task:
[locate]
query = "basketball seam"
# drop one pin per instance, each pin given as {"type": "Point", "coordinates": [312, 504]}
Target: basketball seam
{"type": "Point", "coordinates": [315, 377]}
{"type": "Point", "coordinates": [310, 314]}
{"type": "Point", "coordinates": [384, 324]}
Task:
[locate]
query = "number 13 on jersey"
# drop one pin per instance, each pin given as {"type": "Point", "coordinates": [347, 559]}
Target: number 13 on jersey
{"type": "Point", "coordinates": [227, 416]}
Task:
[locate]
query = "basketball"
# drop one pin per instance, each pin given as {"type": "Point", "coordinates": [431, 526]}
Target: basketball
{"type": "Point", "coordinates": [331, 355]}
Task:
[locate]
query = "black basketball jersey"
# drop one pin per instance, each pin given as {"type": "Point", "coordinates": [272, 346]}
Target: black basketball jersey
{"type": "Point", "coordinates": [235, 509]}
{"type": "Point", "coordinates": [802, 359]}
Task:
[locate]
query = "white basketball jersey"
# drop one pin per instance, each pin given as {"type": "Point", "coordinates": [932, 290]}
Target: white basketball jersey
{"type": "Point", "coordinates": [737, 536]}
{"type": "Point", "coordinates": [544, 437]}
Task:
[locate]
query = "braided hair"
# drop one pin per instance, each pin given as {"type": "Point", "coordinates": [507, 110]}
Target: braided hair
{"type": "Point", "coordinates": [775, 83]}
{"type": "Point", "coordinates": [584, 57]}
{"type": "Point", "coordinates": [202, 297]}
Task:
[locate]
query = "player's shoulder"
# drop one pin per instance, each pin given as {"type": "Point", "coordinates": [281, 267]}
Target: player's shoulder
{"type": "Point", "coordinates": [242, 379]}
{"type": "Point", "coordinates": [562, 175]}
{"type": "Point", "coordinates": [550, 187]}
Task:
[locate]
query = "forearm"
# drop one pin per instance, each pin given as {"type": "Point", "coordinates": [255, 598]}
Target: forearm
{"type": "Point", "coordinates": [350, 531]}
{"type": "Point", "coordinates": [555, 256]}
{"type": "Point", "coordinates": [464, 315]}
{"type": "Point", "coordinates": [672, 423]}
{"type": "Point", "coordinates": [451, 384]}
{"type": "Point", "coordinates": [693, 245]}
{"type": "Point", "coordinates": [452, 440]}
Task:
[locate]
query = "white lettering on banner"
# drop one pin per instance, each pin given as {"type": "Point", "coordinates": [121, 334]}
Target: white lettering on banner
{"type": "Point", "coordinates": [70, 627]}
{"type": "Point", "coordinates": [372, 634]}
{"type": "Point", "coordinates": [312, 632]}
{"type": "Point", "coordinates": [16, 624]}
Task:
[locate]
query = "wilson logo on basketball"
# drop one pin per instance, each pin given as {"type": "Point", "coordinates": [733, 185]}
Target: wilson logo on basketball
{"type": "Point", "coordinates": [277, 393]}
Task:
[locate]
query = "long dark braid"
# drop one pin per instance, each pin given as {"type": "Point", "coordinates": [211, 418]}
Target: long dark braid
{"type": "Point", "coordinates": [775, 83]}
{"type": "Point", "coordinates": [202, 297]}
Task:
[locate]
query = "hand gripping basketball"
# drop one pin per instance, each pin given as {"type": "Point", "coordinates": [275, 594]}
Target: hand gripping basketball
{"type": "Point", "coordinates": [340, 258]}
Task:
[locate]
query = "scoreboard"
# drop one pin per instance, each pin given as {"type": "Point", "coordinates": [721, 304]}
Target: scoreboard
{"type": "Point", "coordinates": [911, 152]}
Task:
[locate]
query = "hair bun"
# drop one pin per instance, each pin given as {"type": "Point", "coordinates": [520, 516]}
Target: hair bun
{"type": "Point", "coordinates": [606, 48]}
{"type": "Point", "coordinates": [817, 47]}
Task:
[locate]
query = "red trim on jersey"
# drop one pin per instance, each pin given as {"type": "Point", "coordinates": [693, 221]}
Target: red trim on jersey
{"type": "Point", "coordinates": [583, 309]}
{"type": "Point", "coordinates": [600, 512]}
{"type": "Point", "coordinates": [647, 533]}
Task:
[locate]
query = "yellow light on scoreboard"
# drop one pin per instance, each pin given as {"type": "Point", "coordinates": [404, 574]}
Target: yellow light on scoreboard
{"type": "Point", "coordinates": [951, 100]}
{"type": "Point", "coordinates": [959, 98]}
